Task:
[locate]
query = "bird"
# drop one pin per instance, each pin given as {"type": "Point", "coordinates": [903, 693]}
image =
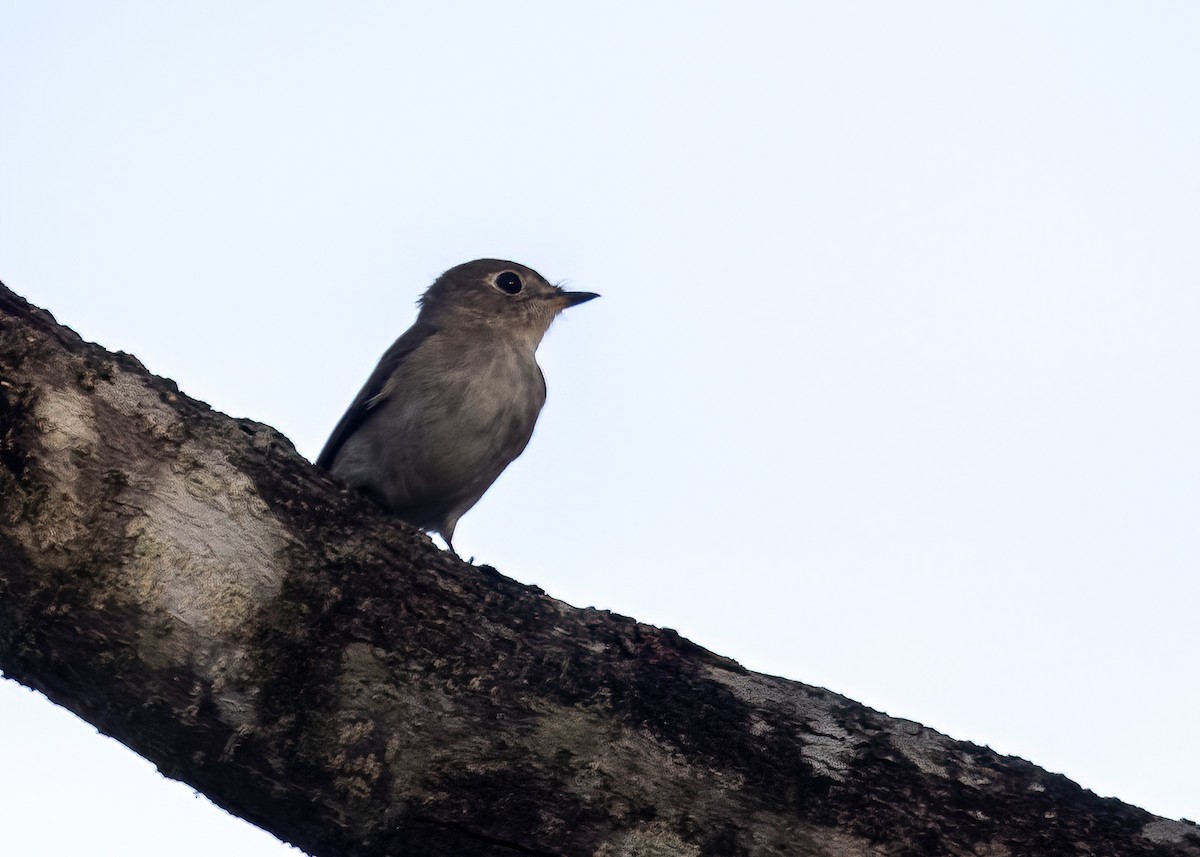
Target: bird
{"type": "Point", "coordinates": [454, 400]}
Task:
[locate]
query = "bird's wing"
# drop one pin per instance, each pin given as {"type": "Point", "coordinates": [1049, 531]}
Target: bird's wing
{"type": "Point", "coordinates": [375, 391]}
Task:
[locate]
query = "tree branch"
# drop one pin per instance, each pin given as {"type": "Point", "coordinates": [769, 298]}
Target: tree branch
{"type": "Point", "coordinates": [194, 588]}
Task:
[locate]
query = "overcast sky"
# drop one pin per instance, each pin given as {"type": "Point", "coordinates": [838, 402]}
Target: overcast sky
{"type": "Point", "coordinates": [893, 387]}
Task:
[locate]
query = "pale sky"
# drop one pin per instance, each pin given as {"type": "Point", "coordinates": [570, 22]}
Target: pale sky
{"type": "Point", "coordinates": [893, 387]}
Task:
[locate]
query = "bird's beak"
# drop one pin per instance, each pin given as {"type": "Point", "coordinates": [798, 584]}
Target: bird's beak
{"type": "Point", "coordinates": [566, 299]}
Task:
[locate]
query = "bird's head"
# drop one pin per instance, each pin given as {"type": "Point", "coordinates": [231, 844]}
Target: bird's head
{"type": "Point", "coordinates": [503, 298]}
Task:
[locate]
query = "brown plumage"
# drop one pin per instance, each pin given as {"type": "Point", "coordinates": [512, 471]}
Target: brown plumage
{"type": "Point", "coordinates": [454, 400]}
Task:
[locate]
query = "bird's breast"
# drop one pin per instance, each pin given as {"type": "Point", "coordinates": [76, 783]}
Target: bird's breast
{"type": "Point", "coordinates": [472, 417]}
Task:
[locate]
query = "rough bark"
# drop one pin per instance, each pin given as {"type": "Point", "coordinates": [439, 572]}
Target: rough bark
{"type": "Point", "coordinates": [194, 588]}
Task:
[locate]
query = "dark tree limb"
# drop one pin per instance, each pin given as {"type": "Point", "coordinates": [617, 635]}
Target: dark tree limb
{"type": "Point", "coordinates": [193, 587]}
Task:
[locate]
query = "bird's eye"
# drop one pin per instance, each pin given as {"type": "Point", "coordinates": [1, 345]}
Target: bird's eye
{"type": "Point", "coordinates": [508, 282]}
